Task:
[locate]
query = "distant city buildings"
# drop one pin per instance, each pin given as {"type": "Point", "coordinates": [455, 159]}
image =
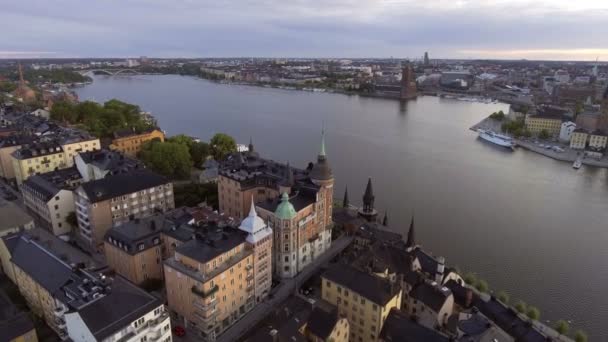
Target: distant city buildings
{"type": "Point", "coordinates": [129, 142]}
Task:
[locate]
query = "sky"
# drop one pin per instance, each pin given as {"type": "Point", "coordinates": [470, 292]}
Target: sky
{"type": "Point", "coordinates": [494, 29]}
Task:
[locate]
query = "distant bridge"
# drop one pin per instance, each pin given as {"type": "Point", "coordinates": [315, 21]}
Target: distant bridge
{"type": "Point", "coordinates": [111, 72]}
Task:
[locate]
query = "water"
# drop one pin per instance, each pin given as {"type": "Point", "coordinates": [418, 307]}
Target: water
{"type": "Point", "coordinates": [527, 224]}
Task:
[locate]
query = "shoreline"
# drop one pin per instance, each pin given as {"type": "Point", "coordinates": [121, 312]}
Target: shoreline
{"type": "Point", "coordinates": [569, 155]}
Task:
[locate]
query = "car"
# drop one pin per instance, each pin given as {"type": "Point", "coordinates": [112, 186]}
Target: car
{"type": "Point", "coordinates": [179, 331]}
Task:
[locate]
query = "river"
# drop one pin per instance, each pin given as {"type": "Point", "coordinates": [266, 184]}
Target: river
{"type": "Point", "coordinates": [529, 225]}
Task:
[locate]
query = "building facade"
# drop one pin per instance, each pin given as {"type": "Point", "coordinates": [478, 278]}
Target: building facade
{"type": "Point", "coordinates": [578, 139]}
{"type": "Point", "coordinates": [36, 159]}
{"type": "Point", "coordinates": [113, 200]}
{"type": "Point", "coordinates": [220, 275]}
{"type": "Point", "coordinates": [50, 198]}
{"type": "Point", "coordinates": [129, 142]}
{"type": "Point", "coordinates": [364, 299]}
{"type": "Point", "coordinates": [134, 249]}
{"type": "Point", "coordinates": [539, 123]}
{"type": "Point", "coordinates": [296, 204]}
{"type": "Point", "coordinates": [566, 131]}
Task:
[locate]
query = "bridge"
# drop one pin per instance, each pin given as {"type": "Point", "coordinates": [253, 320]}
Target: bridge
{"type": "Point", "coordinates": [111, 72]}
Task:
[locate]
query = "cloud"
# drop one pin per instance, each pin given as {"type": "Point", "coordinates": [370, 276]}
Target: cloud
{"type": "Point", "coordinates": [307, 28]}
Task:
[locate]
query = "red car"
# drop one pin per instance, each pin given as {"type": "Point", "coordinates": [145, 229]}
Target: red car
{"type": "Point", "coordinates": [179, 331]}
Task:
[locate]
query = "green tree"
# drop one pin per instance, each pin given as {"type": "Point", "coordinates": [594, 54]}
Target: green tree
{"type": "Point", "coordinates": [199, 151]}
{"type": "Point", "coordinates": [533, 313]}
{"type": "Point", "coordinates": [544, 134]}
{"type": "Point", "coordinates": [167, 158]}
{"type": "Point", "coordinates": [64, 111]}
{"type": "Point", "coordinates": [191, 195]}
{"type": "Point", "coordinates": [221, 145]}
{"type": "Point", "coordinates": [580, 336]}
{"type": "Point", "coordinates": [521, 306]}
{"type": "Point", "coordinates": [71, 219]}
{"type": "Point", "coordinates": [182, 139]}
{"type": "Point", "coordinates": [562, 327]}
{"type": "Point", "coordinates": [470, 278]}
{"type": "Point", "coordinates": [503, 297]}
{"type": "Point", "coordinates": [482, 286]}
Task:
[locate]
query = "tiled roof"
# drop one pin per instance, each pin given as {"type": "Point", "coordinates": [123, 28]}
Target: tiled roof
{"type": "Point", "coordinates": [376, 289]}
{"type": "Point", "coordinates": [122, 184]}
{"type": "Point", "coordinates": [398, 327]}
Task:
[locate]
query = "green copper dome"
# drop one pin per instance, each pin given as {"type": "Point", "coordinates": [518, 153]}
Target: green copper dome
{"type": "Point", "coordinates": [285, 210]}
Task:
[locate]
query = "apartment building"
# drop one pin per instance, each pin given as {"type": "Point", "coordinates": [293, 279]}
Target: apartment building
{"type": "Point", "coordinates": [113, 200]}
{"type": "Point", "coordinates": [15, 325]}
{"type": "Point", "coordinates": [50, 198]}
{"type": "Point", "coordinates": [296, 204]}
{"type": "Point", "coordinates": [8, 145]}
{"type": "Point", "coordinates": [220, 275]}
{"type": "Point", "coordinates": [64, 288]}
{"type": "Point", "coordinates": [97, 164]}
{"type": "Point", "coordinates": [538, 123]}
{"type": "Point", "coordinates": [37, 158]}
{"type": "Point", "coordinates": [129, 142]}
{"type": "Point", "coordinates": [579, 138]}
{"type": "Point", "coordinates": [134, 249]}
{"type": "Point", "coordinates": [363, 298]}
{"type": "Point", "coordinates": [74, 142]}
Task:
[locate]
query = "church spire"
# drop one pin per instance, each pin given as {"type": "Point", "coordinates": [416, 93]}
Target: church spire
{"type": "Point", "coordinates": [322, 153]}
{"type": "Point", "coordinates": [368, 197]}
{"type": "Point", "coordinates": [411, 239]}
{"type": "Point", "coordinates": [290, 179]}
{"type": "Point", "coordinates": [385, 219]}
{"type": "Point", "coordinates": [252, 212]}
{"type": "Point", "coordinates": [345, 202]}
{"type": "Point", "coordinates": [21, 79]}
{"type": "Point", "coordinates": [250, 144]}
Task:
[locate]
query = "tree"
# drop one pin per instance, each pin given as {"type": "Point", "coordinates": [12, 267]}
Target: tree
{"type": "Point", "coordinates": [543, 134]}
{"type": "Point", "coordinates": [562, 327]}
{"type": "Point", "coordinates": [182, 139]}
{"type": "Point", "coordinates": [482, 286]}
{"type": "Point", "coordinates": [71, 219]}
{"type": "Point", "coordinates": [580, 336]}
{"type": "Point", "coordinates": [221, 145]}
{"type": "Point", "coordinates": [503, 297]}
{"type": "Point", "coordinates": [191, 195]}
{"type": "Point", "coordinates": [520, 306]}
{"type": "Point", "coordinates": [64, 111]}
{"type": "Point", "coordinates": [533, 313]}
{"type": "Point", "coordinates": [167, 158]}
{"type": "Point", "coordinates": [199, 152]}
{"type": "Point", "coordinates": [470, 278]}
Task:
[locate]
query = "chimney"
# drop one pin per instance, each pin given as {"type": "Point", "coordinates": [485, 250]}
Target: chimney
{"type": "Point", "coordinates": [152, 225]}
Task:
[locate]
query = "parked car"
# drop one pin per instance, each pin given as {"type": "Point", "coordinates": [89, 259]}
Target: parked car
{"type": "Point", "coordinates": [179, 331]}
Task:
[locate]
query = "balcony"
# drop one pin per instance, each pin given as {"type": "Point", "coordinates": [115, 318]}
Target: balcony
{"type": "Point", "coordinates": [205, 294]}
{"type": "Point", "coordinates": [249, 276]}
{"type": "Point", "coordinates": [206, 318]}
{"type": "Point", "coordinates": [249, 288]}
{"type": "Point", "coordinates": [60, 324]}
{"type": "Point", "coordinates": [249, 267]}
{"type": "Point", "coordinates": [59, 311]}
{"type": "Point", "coordinates": [205, 306]}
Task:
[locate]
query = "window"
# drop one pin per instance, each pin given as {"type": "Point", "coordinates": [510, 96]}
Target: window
{"type": "Point", "coordinates": [287, 258]}
{"type": "Point", "coordinates": [375, 307]}
{"type": "Point", "coordinates": [141, 246]}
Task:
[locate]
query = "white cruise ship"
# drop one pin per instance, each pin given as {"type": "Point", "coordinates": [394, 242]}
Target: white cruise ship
{"type": "Point", "coordinates": [495, 138]}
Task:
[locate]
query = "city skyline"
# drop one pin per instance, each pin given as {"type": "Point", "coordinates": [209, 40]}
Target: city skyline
{"type": "Point", "coordinates": [545, 30]}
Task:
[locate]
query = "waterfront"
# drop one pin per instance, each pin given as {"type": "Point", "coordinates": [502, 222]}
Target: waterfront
{"type": "Point", "coordinates": [517, 218]}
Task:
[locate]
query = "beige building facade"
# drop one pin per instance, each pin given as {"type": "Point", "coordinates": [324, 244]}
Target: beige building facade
{"type": "Point", "coordinates": [537, 124]}
{"type": "Point", "coordinates": [578, 139]}
{"type": "Point", "coordinates": [130, 143]}
{"type": "Point", "coordinates": [114, 200]}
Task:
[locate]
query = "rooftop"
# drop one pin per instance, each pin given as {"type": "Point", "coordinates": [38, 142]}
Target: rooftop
{"type": "Point", "coordinates": [432, 295]}
{"type": "Point", "coordinates": [38, 149]}
{"type": "Point", "coordinates": [47, 185]}
{"type": "Point", "coordinates": [376, 289]}
{"type": "Point", "coordinates": [398, 327]}
{"type": "Point", "coordinates": [139, 234]}
{"type": "Point", "coordinates": [122, 184]}
{"type": "Point", "coordinates": [321, 322]}
{"type": "Point", "coordinates": [13, 323]}
{"type": "Point", "coordinates": [210, 242]}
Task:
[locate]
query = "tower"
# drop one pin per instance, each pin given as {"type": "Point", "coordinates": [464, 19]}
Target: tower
{"type": "Point", "coordinates": [426, 58]}
{"type": "Point", "coordinates": [411, 238]}
{"type": "Point", "coordinates": [345, 201]}
{"type": "Point", "coordinates": [408, 83]}
{"type": "Point", "coordinates": [368, 211]}
{"type": "Point", "coordinates": [385, 219]}
{"type": "Point", "coordinates": [321, 175]}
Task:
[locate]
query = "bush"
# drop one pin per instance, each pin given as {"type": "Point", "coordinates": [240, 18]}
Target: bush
{"type": "Point", "coordinates": [520, 306]}
{"type": "Point", "coordinates": [191, 195]}
{"type": "Point", "coordinates": [533, 313]}
{"type": "Point", "coordinates": [482, 286]}
{"type": "Point", "coordinates": [503, 297]}
{"type": "Point", "coordinates": [544, 134]}
{"type": "Point", "coordinates": [500, 115]}
{"type": "Point", "coordinates": [562, 327]}
{"type": "Point", "coordinates": [470, 278]}
{"type": "Point", "coordinates": [580, 336]}
{"type": "Point", "coordinates": [167, 158]}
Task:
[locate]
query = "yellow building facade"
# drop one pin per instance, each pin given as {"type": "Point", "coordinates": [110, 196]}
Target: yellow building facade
{"type": "Point", "coordinates": [37, 159]}
{"type": "Point", "coordinates": [130, 143]}
{"type": "Point", "coordinates": [536, 124]}
{"type": "Point", "coordinates": [364, 299]}
{"type": "Point", "coordinates": [578, 139]}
